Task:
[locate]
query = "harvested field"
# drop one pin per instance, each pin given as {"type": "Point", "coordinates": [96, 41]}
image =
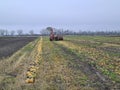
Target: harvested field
{"type": "Point", "coordinates": [77, 63]}
{"type": "Point", "coordinates": [9, 45]}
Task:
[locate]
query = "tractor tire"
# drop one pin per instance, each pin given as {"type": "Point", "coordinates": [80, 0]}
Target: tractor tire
{"type": "Point", "coordinates": [61, 39]}
{"type": "Point", "coordinates": [51, 39]}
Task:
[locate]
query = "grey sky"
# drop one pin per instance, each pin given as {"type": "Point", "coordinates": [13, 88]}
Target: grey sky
{"type": "Point", "coordinates": [33, 14]}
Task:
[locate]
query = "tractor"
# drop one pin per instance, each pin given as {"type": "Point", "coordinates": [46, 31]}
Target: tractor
{"type": "Point", "coordinates": [54, 36]}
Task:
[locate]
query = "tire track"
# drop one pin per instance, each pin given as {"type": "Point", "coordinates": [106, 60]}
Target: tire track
{"type": "Point", "coordinates": [55, 72]}
{"type": "Point", "coordinates": [98, 80]}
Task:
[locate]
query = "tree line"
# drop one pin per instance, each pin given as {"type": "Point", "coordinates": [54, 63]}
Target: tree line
{"type": "Point", "coordinates": [97, 33]}
{"type": "Point", "coordinates": [14, 33]}
{"type": "Point", "coordinates": [45, 32]}
{"type": "Point", "coordinates": [72, 32]}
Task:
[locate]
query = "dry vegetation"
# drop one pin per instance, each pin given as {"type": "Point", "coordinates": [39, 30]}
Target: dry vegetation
{"type": "Point", "coordinates": [77, 63]}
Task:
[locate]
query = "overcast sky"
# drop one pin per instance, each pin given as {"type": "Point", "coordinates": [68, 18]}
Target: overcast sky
{"type": "Point", "coordinates": [34, 14]}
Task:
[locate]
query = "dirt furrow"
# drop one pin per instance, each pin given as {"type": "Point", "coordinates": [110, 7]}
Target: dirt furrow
{"type": "Point", "coordinates": [9, 45]}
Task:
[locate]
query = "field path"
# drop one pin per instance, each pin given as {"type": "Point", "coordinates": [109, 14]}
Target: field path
{"type": "Point", "coordinates": [57, 72]}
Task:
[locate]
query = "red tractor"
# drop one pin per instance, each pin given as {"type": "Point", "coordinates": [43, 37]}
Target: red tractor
{"type": "Point", "coordinates": [54, 35]}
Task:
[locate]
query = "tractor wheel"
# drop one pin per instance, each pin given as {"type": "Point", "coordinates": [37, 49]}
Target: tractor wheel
{"type": "Point", "coordinates": [61, 38]}
{"type": "Point", "coordinates": [51, 39]}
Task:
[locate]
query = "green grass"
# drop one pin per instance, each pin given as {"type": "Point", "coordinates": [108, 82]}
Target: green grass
{"type": "Point", "coordinates": [92, 47]}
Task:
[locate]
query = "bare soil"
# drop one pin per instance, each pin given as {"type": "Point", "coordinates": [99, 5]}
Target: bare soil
{"type": "Point", "coordinates": [9, 45]}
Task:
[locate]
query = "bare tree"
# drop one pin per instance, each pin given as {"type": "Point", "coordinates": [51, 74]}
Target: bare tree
{"type": "Point", "coordinates": [6, 32]}
{"type": "Point", "coordinates": [44, 32]}
{"type": "Point", "coordinates": [2, 32]}
{"type": "Point", "coordinates": [20, 32]}
{"type": "Point", "coordinates": [12, 33]}
{"type": "Point", "coordinates": [31, 32]}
